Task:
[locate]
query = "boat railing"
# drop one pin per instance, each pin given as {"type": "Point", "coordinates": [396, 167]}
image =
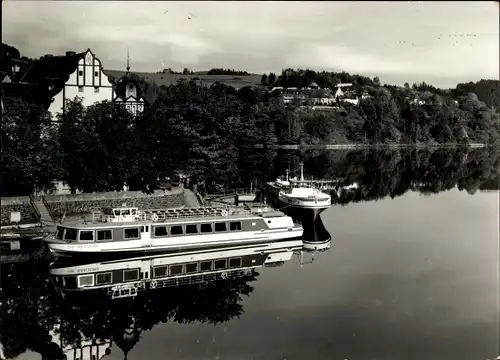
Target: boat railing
{"type": "Point", "coordinates": [183, 213]}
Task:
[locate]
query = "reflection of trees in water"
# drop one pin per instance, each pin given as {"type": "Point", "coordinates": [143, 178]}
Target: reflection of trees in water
{"type": "Point", "coordinates": [380, 173]}
{"type": "Point", "coordinates": [31, 310]}
{"type": "Point", "coordinates": [391, 173]}
{"type": "Point", "coordinates": [25, 308]}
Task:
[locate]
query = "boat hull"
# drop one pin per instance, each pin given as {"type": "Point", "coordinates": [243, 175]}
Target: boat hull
{"type": "Point", "coordinates": [173, 244]}
{"type": "Point", "coordinates": [281, 199]}
{"type": "Point", "coordinates": [305, 203]}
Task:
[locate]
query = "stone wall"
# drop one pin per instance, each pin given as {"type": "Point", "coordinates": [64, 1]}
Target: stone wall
{"type": "Point", "coordinates": [20, 204]}
{"type": "Point", "coordinates": [58, 205]}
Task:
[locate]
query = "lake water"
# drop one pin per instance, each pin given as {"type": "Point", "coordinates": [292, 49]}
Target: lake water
{"type": "Point", "coordinates": [411, 277]}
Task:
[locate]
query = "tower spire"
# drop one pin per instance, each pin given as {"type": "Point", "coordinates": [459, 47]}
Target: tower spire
{"type": "Point", "coordinates": [128, 60]}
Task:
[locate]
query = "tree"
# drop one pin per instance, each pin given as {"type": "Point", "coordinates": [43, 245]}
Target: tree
{"type": "Point", "coordinates": [102, 131]}
{"type": "Point", "coordinates": [263, 80]}
{"type": "Point", "coordinates": [272, 79]}
{"type": "Point", "coordinates": [29, 153]}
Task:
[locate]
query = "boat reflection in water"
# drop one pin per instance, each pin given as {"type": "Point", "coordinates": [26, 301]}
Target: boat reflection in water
{"type": "Point", "coordinates": [117, 299]}
{"type": "Point", "coordinates": [315, 237]}
{"type": "Point", "coordinates": [126, 277]}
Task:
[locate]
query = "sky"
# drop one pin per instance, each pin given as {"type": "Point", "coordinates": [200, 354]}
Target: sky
{"type": "Point", "coordinates": [403, 41]}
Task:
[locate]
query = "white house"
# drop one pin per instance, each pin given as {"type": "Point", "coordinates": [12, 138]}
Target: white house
{"type": "Point", "coordinates": [87, 80]}
{"type": "Point", "coordinates": [82, 75]}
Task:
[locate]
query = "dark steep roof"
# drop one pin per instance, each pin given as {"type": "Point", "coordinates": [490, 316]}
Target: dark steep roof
{"type": "Point", "coordinates": [52, 71]}
{"type": "Point", "coordinates": [236, 81]}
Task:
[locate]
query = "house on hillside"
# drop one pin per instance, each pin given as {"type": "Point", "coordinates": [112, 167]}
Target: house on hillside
{"type": "Point", "coordinates": [65, 77]}
{"type": "Point", "coordinates": [322, 97]}
{"type": "Point", "coordinates": [293, 93]}
{"type": "Point", "coordinates": [365, 95]}
{"type": "Point", "coordinates": [313, 85]}
{"type": "Point", "coordinates": [343, 90]}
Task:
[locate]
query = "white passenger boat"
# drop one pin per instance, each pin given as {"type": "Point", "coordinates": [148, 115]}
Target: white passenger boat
{"type": "Point", "coordinates": [131, 230]}
{"type": "Point", "coordinates": [299, 193]}
{"type": "Point", "coordinates": [125, 277]}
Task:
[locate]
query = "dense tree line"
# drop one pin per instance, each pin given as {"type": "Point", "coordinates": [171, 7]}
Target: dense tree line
{"type": "Point", "coordinates": [488, 91]}
{"type": "Point", "coordinates": [220, 71]}
{"type": "Point", "coordinates": [209, 133]}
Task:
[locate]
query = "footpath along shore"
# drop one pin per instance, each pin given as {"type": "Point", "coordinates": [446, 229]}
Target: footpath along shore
{"type": "Point", "coordinates": [368, 146]}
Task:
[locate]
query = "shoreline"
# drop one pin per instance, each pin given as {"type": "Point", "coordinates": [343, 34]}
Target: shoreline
{"type": "Point", "coordinates": [369, 146]}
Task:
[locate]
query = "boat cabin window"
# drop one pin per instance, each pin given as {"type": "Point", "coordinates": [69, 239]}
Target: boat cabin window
{"type": "Point", "coordinates": [131, 275]}
{"type": "Point", "coordinates": [126, 212]}
{"type": "Point", "coordinates": [206, 266]}
{"type": "Point", "coordinates": [104, 278]}
{"type": "Point", "coordinates": [131, 233]}
{"type": "Point", "coordinates": [117, 212]}
{"type": "Point", "coordinates": [192, 229]}
{"type": "Point", "coordinates": [176, 230]}
{"type": "Point", "coordinates": [85, 280]}
{"type": "Point", "coordinates": [206, 228]}
{"type": "Point", "coordinates": [60, 233]}
{"type": "Point", "coordinates": [70, 234]}
{"type": "Point", "coordinates": [176, 269]}
{"type": "Point", "coordinates": [191, 268]}
{"type": "Point", "coordinates": [160, 231]}
{"type": "Point", "coordinates": [220, 227]}
{"type": "Point", "coordinates": [234, 262]}
{"type": "Point", "coordinates": [134, 211]}
{"type": "Point", "coordinates": [235, 226]}
{"type": "Point", "coordinates": [104, 235]}
{"type": "Point", "coordinates": [86, 235]}
{"type": "Point", "coordinates": [220, 264]}
{"type": "Point", "coordinates": [160, 271]}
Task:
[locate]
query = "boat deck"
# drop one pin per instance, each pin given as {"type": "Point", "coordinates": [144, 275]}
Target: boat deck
{"type": "Point", "coordinates": [166, 216]}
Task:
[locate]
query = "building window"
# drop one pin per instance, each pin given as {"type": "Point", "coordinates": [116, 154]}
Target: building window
{"type": "Point", "coordinates": [96, 89]}
{"type": "Point", "coordinates": [80, 88]}
{"type": "Point", "coordinates": [96, 73]}
{"type": "Point", "coordinates": [80, 72]}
